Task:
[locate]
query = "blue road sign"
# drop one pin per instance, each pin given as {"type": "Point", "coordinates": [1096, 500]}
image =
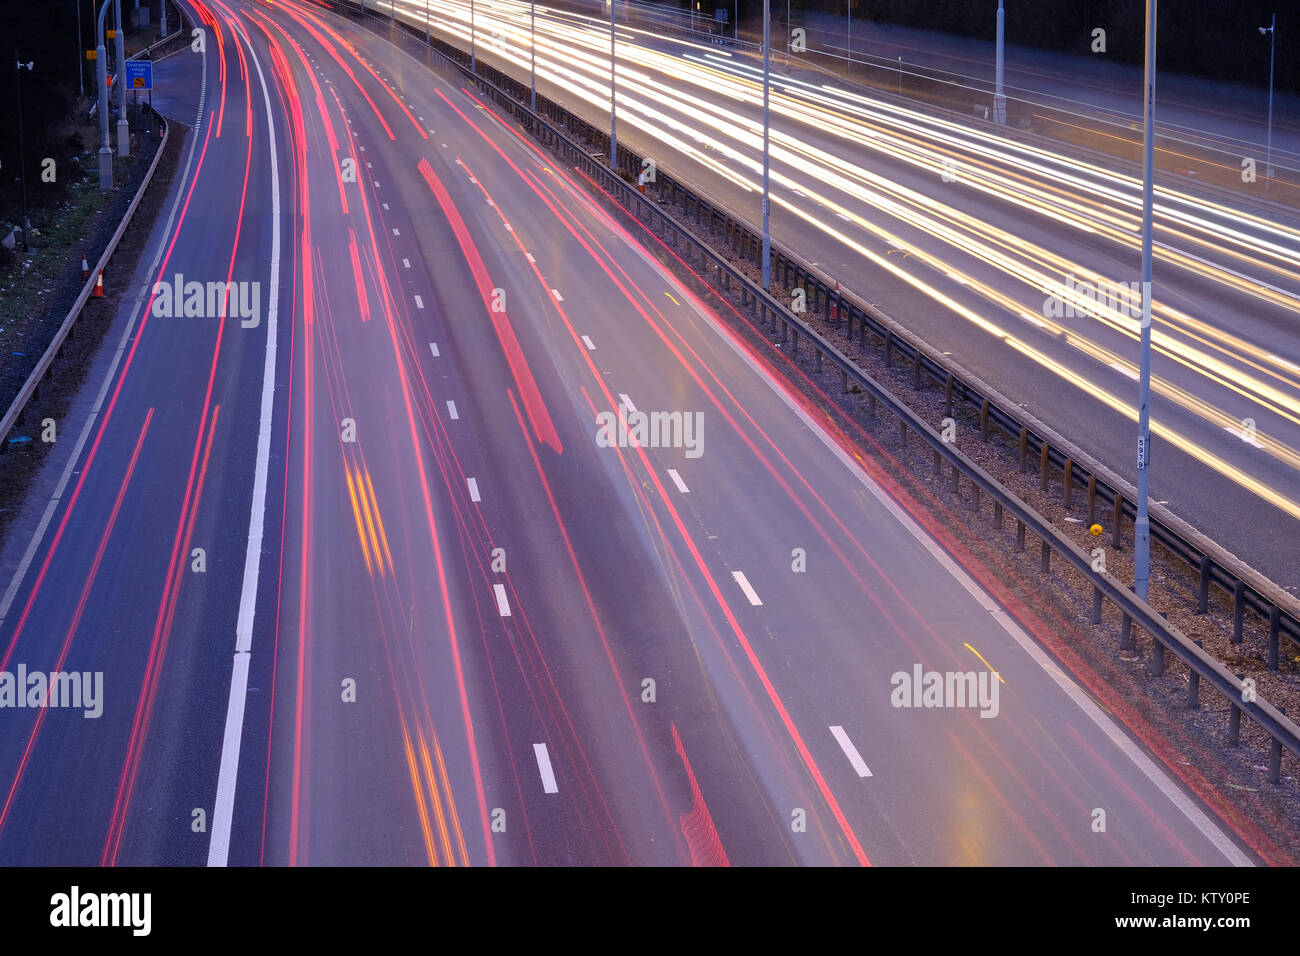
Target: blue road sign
{"type": "Point", "coordinates": [139, 75]}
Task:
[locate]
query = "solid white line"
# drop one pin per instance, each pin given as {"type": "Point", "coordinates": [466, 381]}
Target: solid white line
{"type": "Point", "coordinates": [677, 480]}
{"type": "Point", "coordinates": [746, 587]}
{"type": "Point", "coordinates": [851, 751]}
{"type": "Point", "coordinates": [224, 806]}
{"type": "Point", "coordinates": [419, 303]}
{"type": "Point", "coordinates": [586, 340]}
{"type": "Point", "coordinates": [451, 409]}
{"type": "Point", "coordinates": [627, 402]}
{"type": "Point", "coordinates": [544, 765]}
{"type": "Point", "coordinates": [556, 293]}
{"type": "Point", "coordinates": [433, 347]}
{"type": "Point", "coordinates": [503, 605]}
{"type": "Point", "coordinates": [473, 490]}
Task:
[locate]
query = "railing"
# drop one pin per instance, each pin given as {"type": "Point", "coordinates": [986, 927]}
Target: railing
{"type": "Point", "coordinates": [1052, 452]}
{"type": "Point", "coordinates": [44, 368]}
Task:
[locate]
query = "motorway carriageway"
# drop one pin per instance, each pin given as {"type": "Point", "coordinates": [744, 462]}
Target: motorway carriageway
{"type": "Point", "coordinates": [365, 589]}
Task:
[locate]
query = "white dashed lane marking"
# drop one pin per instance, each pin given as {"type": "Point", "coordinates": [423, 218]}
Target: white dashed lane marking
{"type": "Point", "coordinates": [850, 751]}
{"type": "Point", "coordinates": [746, 587]}
{"type": "Point", "coordinates": [677, 480]}
{"type": "Point", "coordinates": [503, 605]}
{"type": "Point", "coordinates": [544, 765]}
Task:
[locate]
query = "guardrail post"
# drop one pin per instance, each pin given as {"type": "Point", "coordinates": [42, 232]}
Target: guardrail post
{"type": "Point", "coordinates": [902, 432]}
{"type": "Point", "coordinates": [1068, 479]}
{"type": "Point", "coordinates": [1157, 656]}
{"type": "Point", "coordinates": [997, 515]}
{"type": "Point", "coordinates": [1047, 557]}
{"type": "Point", "coordinates": [1126, 633]}
{"type": "Point", "coordinates": [916, 370]}
{"type": "Point", "coordinates": [871, 405]}
{"type": "Point", "coordinates": [947, 397]}
{"type": "Point", "coordinates": [1203, 586]}
{"type": "Point", "coordinates": [889, 347]}
{"type": "Point", "coordinates": [1092, 500]}
{"type": "Point", "coordinates": [975, 495]}
{"type": "Point", "coordinates": [1096, 605]}
{"type": "Point", "coordinates": [1238, 609]}
{"type": "Point", "coordinates": [1020, 534]}
{"type": "Point", "coordinates": [1234, 719]}
{"type": "Point", "coordinates": [956, 479]}
{"type": "Point", "coordinates": [1275, 757]}
{"type": "Point", "coordinates": [938, 462]}
{"type": "Point", "coordinates": [819, 359]}
{"type": "Point", "coordinates": [1194, 686]}
{"type": "Point", "coordinates": [1024, 445]}
{"type": "Point", "coordinates": [1117, 517]}
{"type": "Point", "coordinates": [844, 377]}
{"type": "Point", "coordinates": [1274, 623]}
{"type": "Point", "coordinates": [984, 420]}
{"type": "Point", "coordinates": [1042, 479]}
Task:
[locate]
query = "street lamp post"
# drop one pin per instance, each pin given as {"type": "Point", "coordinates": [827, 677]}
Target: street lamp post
{"type": "Point", "coordinates": [101, 78]}
{"type": "Point", "coordinates": [22, 152]}
{"type": "Point", "coordinates": [999, 98]}
{"type": "Point", "coordinates": [1142, 527]}
{"type": "Point", "coordinates": [613, 117]}
{"type": "Point", "coordinates": [767, 168]}
{"type": "Point", "coordinates": [81, 65]}
{"type": "Point", "coordinates": [123, 131]}
{"type": "Point", "coordinates": [1268, 162]}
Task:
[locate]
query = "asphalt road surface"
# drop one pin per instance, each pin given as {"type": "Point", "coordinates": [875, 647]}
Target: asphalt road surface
{"type": "Point", "coordinates": [370, 579]}
{"type": "Point", "coordinates": [976, 244]}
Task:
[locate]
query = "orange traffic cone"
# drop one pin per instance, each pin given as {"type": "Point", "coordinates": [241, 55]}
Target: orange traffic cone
{"type": "Point", "coordinates": [98, 292]}
{"type": "Point", "coordinates": [85, 268]}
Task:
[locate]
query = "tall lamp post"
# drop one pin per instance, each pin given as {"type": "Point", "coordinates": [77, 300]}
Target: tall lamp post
{"type": "Point", "coordinates": [1272, 43]}
{"type": "Point", "coordinates": [81, 65]}
{"type": "Point", "coordinates": [999, 98]}
{"type": "Point", "coordinates": [101, 80]}
{"type": "Point", "coordinates": [123, 131]}
{"type": "Point", "coordinates": [22, 153]}
{"type": "Point", "coordinates": [613, 117]}
{"type": "Point", "coordinates": [767, 169]}
{"type": "Point", "coordinates": [1142, 527]}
